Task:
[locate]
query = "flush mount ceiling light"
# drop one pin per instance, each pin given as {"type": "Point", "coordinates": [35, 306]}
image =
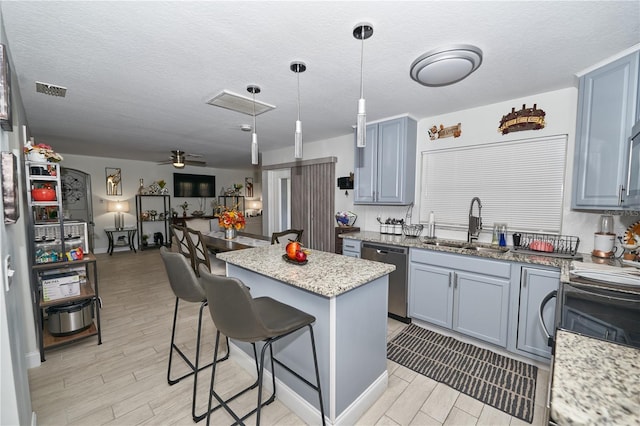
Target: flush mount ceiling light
{"type": "Point", "coordinates": [238, 103]}
{"type": "Point", "coordinates": [253, 89]}
{"type": "Point", "coordinates": [446, 65]}
{"type": "Point", "coordinates": [362, 32]}
{"type": "Point", "coordinates": [298, 67]}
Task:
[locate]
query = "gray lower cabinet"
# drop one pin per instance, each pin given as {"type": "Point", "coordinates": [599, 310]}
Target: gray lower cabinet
{"type": "Point", "coordinates": [467, 294]}
{"type": "Point", "coordinates": [535, 284]}
{"type": "Point", "coordinates": [351, 247]}
{"type": "Point", "coordinates": [604, 162]}
{"type": "Point", "coordinates": [431, 294]}
{"type": "Point", "coordinates": [481, 307]}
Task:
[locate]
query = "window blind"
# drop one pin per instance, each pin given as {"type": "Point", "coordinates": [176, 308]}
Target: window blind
{"type": "Point", "coordinates": [520, 182]}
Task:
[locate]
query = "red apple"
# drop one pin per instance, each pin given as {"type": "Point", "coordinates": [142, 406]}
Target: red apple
{"type": "Point", "coordinates": [301, 256]}
{"type": "Point", "coordinates": [292, 248]}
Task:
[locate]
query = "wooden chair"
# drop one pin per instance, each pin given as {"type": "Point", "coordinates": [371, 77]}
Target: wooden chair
{"type": "Point", "coordinates": [289, 234]}
{"type": "Point", "coordinates": [202, 255]}
{"type": "Point", "coordinates": [179, 234]}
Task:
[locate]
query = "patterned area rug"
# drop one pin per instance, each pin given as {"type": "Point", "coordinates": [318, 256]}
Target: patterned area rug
{"type": "Point", "coordinates": [493, 379]}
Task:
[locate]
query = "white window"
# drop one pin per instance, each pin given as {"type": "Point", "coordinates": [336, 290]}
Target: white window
{"type": "Point", "coordinates": [520, 182]}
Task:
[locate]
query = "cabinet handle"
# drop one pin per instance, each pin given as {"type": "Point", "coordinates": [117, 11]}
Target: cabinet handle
{"type": "Point", "coordinates": [455, 280]}
{"type": "Point", "coordinates": [524, 278]}
{"type": "Point", "coordinates": [620, 195]}
{"type": "Point", "coordinates": [450, 277]}
{"type": "Point", "coordinates": [629, 166]}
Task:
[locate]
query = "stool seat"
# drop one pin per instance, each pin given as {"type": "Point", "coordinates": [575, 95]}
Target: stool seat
{"type": "Point", "coordinates": [279, 318]}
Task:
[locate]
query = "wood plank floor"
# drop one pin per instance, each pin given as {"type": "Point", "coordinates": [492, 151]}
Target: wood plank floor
{"type": "Point", "coordinates": [123, 381]}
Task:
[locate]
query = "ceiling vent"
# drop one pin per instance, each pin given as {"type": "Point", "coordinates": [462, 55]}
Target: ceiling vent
{"type": "Point", "coordinates": [234, 102]}
{"type": "Point", "coordinates": [50, 89]}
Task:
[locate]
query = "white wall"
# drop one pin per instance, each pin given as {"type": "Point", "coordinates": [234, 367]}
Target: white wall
{"type": "Point", "coordinates": [479, 125]}
{"type": "Point", "coordinates": [17, 335]}
{"type": "Point", "coordinates": [132, 172]}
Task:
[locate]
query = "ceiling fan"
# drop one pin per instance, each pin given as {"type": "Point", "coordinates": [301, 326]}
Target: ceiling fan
{"type": "Point", "coordinates": [180, 158]}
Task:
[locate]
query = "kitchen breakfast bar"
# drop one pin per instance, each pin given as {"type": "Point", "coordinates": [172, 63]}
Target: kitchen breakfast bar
{"type": "Point", "coordinates": [348, 297]}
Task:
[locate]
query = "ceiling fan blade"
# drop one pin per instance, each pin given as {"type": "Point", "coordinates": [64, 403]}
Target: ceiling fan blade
{"type": "Point", "coordinates": [195, 163]}
{"type": "Point", "coordinates": [165, 162]}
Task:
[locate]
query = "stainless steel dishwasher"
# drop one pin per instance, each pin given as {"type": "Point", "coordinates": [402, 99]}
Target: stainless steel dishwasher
{"type": "Point", "coordinates": [398, 279]}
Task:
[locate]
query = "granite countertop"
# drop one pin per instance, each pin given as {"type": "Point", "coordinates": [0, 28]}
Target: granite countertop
{"type": "Point", "coordinates": [401, 240]}
{"type": "Point", "coordinates": [325, 274]}
{"type": "Point", "coordinates": [594, 382]}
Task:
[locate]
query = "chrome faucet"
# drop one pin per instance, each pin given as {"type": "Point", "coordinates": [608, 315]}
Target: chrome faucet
{"type": "Point", "coordinates": [475, 222]}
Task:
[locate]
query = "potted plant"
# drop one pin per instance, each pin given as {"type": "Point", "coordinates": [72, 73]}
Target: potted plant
{"type": "Point", "coordinates": [145, 240]}
{"type": "Point", "coordinates": [185, 207]}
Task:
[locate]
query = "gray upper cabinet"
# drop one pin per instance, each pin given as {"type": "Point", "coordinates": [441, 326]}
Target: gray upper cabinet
{"type": "Point", "coordinates": [604, 160]}
{"type": "Point", "coordinates": [385, 168]}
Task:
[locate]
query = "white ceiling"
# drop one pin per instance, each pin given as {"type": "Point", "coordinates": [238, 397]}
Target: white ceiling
{"type": "Point", "coordinates": [139, 74]}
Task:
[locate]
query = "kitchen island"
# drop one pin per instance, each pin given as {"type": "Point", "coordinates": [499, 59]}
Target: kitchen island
{"type": "Point", "coordinates": [594, 382]}
{"type": "Point", "coordinates": [348, 297]}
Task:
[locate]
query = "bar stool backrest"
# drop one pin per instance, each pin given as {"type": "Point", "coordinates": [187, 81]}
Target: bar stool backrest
{"type": "Point", "coordinates": [182, 277]}
{"type": "Point", "coordinates": [199, 250]}
{"type": "Point", "coordinates": [232, 308]}
{"type": "Point", "coordinates": [283, 237]}
{"type": "Point", "coordinates": [178, 232]}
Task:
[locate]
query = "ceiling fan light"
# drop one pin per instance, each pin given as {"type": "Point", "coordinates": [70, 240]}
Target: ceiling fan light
{"type": "Point", "coordinates": [178, 160]}
{"type": "Point", "coordinates": [446, 65]}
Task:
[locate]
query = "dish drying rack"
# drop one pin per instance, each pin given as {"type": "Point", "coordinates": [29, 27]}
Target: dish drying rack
{"type": "Point", "coordinates": [565, 246]}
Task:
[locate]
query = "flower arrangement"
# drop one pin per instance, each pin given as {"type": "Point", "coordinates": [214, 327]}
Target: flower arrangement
{"type": "Point", "coordinates": [44, 150]}
{"type": "Point", "coordinates": [231, 219]}
{"type": "Point", "coordinates": [185, 206]}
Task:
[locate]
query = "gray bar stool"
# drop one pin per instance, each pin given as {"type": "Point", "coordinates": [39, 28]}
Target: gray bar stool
{"type": "Point", "coordinates": [239, 316]}
{"type": "Point", "coordinates": [186, 287]}
{"type": "Point", "coordinates": [287, 236]}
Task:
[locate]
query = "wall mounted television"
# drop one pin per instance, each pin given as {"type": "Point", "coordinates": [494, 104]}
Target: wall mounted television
{"type": "Point", "coordinates": [187, 185]}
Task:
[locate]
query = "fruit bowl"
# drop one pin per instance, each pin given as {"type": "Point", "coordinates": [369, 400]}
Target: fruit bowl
{"type": "Point", "coordinates": [295, 262]}
{"type": "Point", "coordinates": [43, 194]}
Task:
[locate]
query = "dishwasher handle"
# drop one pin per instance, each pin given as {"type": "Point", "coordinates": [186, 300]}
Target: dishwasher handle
{"type": "Point", "coordinates": [384, 249]}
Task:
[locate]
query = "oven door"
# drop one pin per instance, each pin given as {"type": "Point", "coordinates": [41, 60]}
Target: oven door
{"type": "Point", "coordinates": [599, 311]}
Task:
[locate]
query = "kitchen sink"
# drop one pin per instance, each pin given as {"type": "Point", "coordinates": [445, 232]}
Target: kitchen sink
{"type": "Point", "coordinates": [478, 249]}
{"type": "Point", "coordinates": [446, 244]}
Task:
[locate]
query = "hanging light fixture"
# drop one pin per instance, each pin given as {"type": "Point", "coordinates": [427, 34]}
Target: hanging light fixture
{"type": "Point", "coordinates": [298, 67]}
{"type": "Point", "coordinates": [253, 89]}
{"type": "Point", "coordinates": [362, 32]}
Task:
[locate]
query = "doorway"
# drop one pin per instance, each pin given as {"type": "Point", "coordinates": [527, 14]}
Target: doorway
{"type": "Point", "coordinates": [76, 198]}
{"type": "Point", "coordinates": [279, 200]}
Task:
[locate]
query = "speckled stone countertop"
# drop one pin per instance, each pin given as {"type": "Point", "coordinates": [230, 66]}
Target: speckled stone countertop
{"type": "Point", "coordinates": [401, 240]}
{"type": "Point", "coordinates": [326, 274]}
{"type": "Point", "coordinates": [594, 382]}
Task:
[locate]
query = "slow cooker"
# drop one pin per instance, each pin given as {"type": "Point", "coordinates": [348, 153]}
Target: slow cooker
{"type": "Point", "coordinates": [70, 318]}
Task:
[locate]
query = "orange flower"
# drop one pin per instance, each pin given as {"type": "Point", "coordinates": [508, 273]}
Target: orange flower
{"type": "Point", "coordinates": [231, 219]}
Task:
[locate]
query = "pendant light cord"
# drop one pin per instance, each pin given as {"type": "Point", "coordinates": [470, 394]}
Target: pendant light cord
{"type": "Point", "coordinates": [362, 63]}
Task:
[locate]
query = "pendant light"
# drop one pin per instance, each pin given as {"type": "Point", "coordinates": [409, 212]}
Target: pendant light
{"type": "Point", "coordinates": [362, 32]}
{"type": "Point", "coordinates": [253, 89]}
{"type": "Point", "coordinates": [298, 67]}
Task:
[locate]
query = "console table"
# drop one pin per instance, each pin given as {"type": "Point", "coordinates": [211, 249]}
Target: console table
{"type": "Point", "coordinates": [130, 231]}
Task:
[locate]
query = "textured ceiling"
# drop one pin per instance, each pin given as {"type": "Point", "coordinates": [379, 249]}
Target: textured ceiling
{"type": "Point", "coordinates": [139, 74]}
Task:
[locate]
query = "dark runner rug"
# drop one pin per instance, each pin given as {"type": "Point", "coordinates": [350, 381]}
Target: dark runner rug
{"type": "Point", "coordinates": [493, 379]}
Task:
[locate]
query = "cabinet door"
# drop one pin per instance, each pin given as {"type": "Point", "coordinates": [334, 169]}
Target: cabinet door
{"type": "Point", "coordinates": [365, 168]}
{"type": "Point", "coordinates": [535, 284]}
{"type": "Point", "coordinates": [391, 159]}
{"type": "Point", "coordinates": [633, 171]}
{"type": "Point", "coordinates": [481, 307]}
{"type": "Point", "coordinates": [607, 102]}
{"type": "Point", "coordinates": [430, 294]}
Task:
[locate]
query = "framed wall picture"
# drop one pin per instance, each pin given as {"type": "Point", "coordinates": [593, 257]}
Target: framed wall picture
{"type": "Point", "coordinates": [10, 188]}
{"type": "Point", "coordinates": [248, 187]}
{"type": "Point", "coordinates": [113, 181]}
{"type": "Point", "coordinates": [6, 121]}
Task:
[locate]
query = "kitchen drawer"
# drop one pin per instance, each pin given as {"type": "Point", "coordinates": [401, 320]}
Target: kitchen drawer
{"type": "Point", "coordinates": [351, 245]}
{"type": "Point", "coordinates": [462, 262]}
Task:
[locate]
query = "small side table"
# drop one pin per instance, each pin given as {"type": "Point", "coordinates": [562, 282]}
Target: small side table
{"type": "Point", "coordinates": [130, 231]}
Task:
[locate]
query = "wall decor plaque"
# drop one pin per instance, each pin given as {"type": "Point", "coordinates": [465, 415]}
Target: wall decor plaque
{"type": "Point", "coordinates": [525, 119]}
